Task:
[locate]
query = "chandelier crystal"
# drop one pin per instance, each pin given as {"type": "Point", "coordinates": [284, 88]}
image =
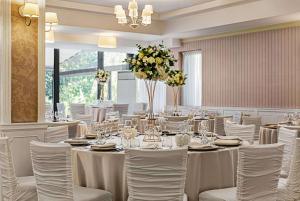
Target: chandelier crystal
{"type": "Point", "coordinates": [133, 14]}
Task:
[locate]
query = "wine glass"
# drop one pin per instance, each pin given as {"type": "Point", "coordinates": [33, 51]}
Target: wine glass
{"type": "Point", "coordinates": [128, 122]}
{"type": "Point", "coordinates": [134, 122]}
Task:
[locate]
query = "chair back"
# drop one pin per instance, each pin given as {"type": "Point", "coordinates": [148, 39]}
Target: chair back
{"type": "Point", "coordinates": [77, 108]}
{"type": "Point", "coordinates": [245, 132]}
{"type": "Point", "coordinates": [287, 137]}
{"type": "Point", "coordinates": [52, 170]}
{"type": "Point", "coordinates": [7, 171]}
{"type": "Point", "coordinates": [219, 124]}
{"type": "Point", "coordinates": [156, 175]}
{"type": "Point", "coordinates": [95, 114]}
{"type": "Point", "coordinates": [122, 108]}
{"type": "Point", "coordinates": [56, 134]}
{"type": "Point", "coordinates": [293, 183]}
{"type": "Point", "coordinates": [248, 120]}
{"type": "Point", "coordinates": [258, 172]}
{"type": "Point", "coordinates": [102, 114]}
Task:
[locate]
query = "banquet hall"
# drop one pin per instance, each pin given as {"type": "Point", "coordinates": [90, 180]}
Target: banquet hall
{"type": "Point", "coordinates": [149, 100]}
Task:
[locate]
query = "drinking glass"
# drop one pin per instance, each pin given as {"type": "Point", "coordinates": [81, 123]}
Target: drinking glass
{"type": "Point", "coordinates": [134, 122]}
{"type": "Point", "coordinates": [128, 123]}
{"type": "Point", "coordinates": [100, 136]}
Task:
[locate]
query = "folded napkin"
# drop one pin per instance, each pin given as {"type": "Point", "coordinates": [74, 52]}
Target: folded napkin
{"type": "Point", "coordinates": [222, 142]}
{"type": "Point", "coordinates": [229, 137]}
{"type": "Point", "coordinates": [105, 146]}
{"type": "Point", "coordinates": [196, 145]}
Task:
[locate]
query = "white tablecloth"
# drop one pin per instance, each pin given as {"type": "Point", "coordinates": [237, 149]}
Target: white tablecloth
{"type": "Point", "coordinates": [105, 170]}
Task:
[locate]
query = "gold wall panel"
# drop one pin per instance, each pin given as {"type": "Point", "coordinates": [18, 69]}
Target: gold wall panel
{"type": "Point", "coordinates": [24, 100]}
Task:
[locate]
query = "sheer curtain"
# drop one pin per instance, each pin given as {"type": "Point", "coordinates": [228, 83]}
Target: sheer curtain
{"type": "Point", "coordinates": [192, 66]}
{"type": "Point", "coordinates": [159, 98]}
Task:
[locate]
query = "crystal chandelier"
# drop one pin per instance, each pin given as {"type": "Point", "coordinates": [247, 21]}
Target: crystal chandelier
{"type": "Point", "coordinates": [135, 20]}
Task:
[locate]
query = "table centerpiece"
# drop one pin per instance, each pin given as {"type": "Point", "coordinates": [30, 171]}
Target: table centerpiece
{"type": "Point", "coordinates": [102, 77]}
{"type": "Point", "coordinates": [176, 80]}
{"type": "Point", "coordinates": [151, 64]}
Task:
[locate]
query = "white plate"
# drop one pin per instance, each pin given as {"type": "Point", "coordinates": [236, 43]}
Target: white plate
{"type": "Point", "coordinates": [77, 142]}
{"type": "Point", "coordinates": [96, 148]}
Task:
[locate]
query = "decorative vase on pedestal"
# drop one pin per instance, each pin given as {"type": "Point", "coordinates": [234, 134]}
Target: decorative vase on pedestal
{"type": "Point", "coordinates": [150, 86]}
{"type": "Point", "coordinates": [175, 98]}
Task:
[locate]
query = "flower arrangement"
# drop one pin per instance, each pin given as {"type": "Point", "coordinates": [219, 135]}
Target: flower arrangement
{"type": "Point", "coordinates": [102, 76]}
{"type": "Point", "coordinates": [176, 80]}
{"type": "Point", "coordinates": [151, 64]}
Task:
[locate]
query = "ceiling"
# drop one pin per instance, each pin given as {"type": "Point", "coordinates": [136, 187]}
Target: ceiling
{"type": "Point", "coordinates": [82, 21]}
{"type": "Point", "coordinates": [158, 5]}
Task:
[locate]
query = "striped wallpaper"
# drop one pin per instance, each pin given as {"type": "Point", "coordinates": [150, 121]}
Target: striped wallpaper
{"type": "Point", "coordinates": [250, 70]}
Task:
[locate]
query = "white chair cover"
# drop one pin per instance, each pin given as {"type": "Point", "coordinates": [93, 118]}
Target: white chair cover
{"type": "Point", "coordinates": [247, 120]}
{"type": "Point", "coordinates": [156, 175]}
{"type": "Point", "coordinates": [78, 112]}
{"type": "Point", "coordinates": [102, 114]}
{"type": "Point", "coordinates": [122, 108]}
{"type": "Point", "coordinates": [52, 170]}
{"type": "Point", "coordinates": [257, 175]}
{"type": "Point", "coordinates": [56, 134]}
{"type": "Point", "coordinates": [219, 124]}
{"type": "Point", "coordinates": [287, 137]}
{"type": "Point", "coordinates": [245, 132]}
{"type": "Point", "coordinates": [11, 188]}
{"type": "Point", "coordinates": [53, 173]}
{"type": "Point", "coordinates": [95, 114]}
{"type": "Point", "coordinates": [258, 172]}
{"type": "Point", "coordinates": [290, 191]}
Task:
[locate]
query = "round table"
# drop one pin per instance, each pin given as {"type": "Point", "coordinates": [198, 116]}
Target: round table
{"type": "Point", "coordinates": [105, 170]}
{"type": "Point", "coordinates": [76, 128]}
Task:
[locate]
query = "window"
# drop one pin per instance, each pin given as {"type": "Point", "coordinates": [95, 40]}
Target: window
{"type": "Point", "coordinates": [77, 69]}
{"type": "Point", "coordinates": [192, 91]}
{"type": "Point", "coordinates": [159, 101]}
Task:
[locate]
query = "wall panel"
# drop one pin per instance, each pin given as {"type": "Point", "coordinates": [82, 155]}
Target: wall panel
{"type": "Point", "coordinates": [260, 70]}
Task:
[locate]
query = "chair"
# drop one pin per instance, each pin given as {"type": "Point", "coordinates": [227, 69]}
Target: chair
{"type": "Point", "coordinates": [245, 132]}
{"type": "Point", "coordinates": [219, 124]}
{"type": "Point", "coordinates": [56, 134]}
{"type": "Point", "coordinates": [156, 175]}
{"type": "Point", "coordinates": [287, 137]}
{"type": "Point", "coordinates": [95, 114]}
{"type": "Point", "coordinates": [13, 188]}
{"type": "Point", "coordinates": [122, 108]}
{"type": "Point", "coordinates": [257, 175]}
{"type": "Point", "coordinates": [53, 173]}
{"type": "Point", "coordinates": [78, 112]}
{"type": "Point", "coordinates": [248, 120]}
{"type": "Point", "coordinates": [289, 189]}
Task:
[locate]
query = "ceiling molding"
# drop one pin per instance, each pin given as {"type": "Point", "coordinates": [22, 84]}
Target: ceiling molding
{"type": "Point", "coordinates": [207, 6]}
{"type": "Point", "coordinates": [246, 31]}
{"type": "Point", "coordinates": [85, 7]}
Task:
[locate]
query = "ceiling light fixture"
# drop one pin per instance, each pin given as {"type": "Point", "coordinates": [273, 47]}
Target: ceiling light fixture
{"type": "Point", "coordinates": [107, 42]}
{"type": "Point", "coordinates": [135, 20]}
{"type": "Point", "coordinates": [29, 11]}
